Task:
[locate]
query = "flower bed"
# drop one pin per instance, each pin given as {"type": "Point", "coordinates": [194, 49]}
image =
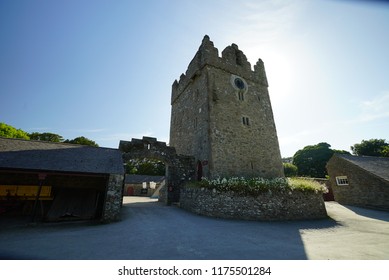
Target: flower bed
{"type": "Point", "coordinates": [255, 199]}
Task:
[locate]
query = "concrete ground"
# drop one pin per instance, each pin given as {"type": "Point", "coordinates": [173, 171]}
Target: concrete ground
{"type": "Point", "coordinates": [153, 231]}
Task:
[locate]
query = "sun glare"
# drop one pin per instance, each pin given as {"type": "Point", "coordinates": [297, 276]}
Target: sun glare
{"type": "Point", "coordinates": [279, 75]}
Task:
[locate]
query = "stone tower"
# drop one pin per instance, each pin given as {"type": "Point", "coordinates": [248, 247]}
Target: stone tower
{"type": "Point", "coordinates": [221, 115]}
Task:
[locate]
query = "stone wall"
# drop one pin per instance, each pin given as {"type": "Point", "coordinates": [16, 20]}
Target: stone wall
{"type": "Point", "coordinates": [113, 198]}
{"type": "Point", "coordinates": [268, 206]}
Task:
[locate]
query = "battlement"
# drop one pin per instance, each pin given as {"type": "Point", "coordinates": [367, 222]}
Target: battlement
{"type": "Point", "coordinates": [232, 60]}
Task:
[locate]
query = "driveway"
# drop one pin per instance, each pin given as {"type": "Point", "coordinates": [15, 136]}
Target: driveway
{"type": "Point", "coordinates": [150, 230]}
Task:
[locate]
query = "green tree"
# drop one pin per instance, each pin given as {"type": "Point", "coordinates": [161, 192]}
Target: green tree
{"type": "Point", "coordinates": [82, 141]}
{"type": "Point", "coordinates": [46, 136]}
{"type": "Point", "coordinates": [290, 170]}
{"type": "Point", "coordinates": [341, 152]}
{"type": "Point", "coordinates": [372, 147]}
{"type": "Point", "coordinates": [311, 160]}
{"type": "Point", "coordinates": [385, 151]}
{"type": "Point", "coordinates": [145, 167]}
{"type": "Point", "coordinates": [8, 131]}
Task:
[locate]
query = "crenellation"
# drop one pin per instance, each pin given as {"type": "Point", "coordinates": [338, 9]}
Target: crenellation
{"type": "Point", "coordinates": [178, 87]}
{"type": "Point", "coordinates": [260, 73]}
{"type": "Point", "coordinates": [207, 51]}
{"type": "Point", "coordinates": [232, 60]}
{"type": "Point", "coordinates": [182, 78]}
{"type": "Point", "coordinates": [236, 59]}
{"type": "Point", "coordinates": [175, 85]}
{"type": "Point", "coordinates": [206, 54]}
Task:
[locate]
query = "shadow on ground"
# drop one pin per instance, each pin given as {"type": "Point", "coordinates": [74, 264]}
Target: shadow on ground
{"type": "Point", "coordinates": [152, 231]}
{"type": "Point", "coordinates": [381, 215]}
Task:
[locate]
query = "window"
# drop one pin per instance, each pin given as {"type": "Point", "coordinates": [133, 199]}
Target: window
{"type": "Point", "coordinates": [342, 181]}
{"type": "Point", "coordinates": [241, 95]}
{"type": "Point", "coordinates": [245, 120]}
{"type": "Point", "coordinates": [239, 83]}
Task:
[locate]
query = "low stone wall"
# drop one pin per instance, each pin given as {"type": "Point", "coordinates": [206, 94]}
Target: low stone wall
{"type": "Point", "coordinates": [268, 206]}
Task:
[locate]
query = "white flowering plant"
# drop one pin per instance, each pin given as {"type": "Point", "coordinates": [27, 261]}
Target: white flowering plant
{"type": "Point", "coordinates": [254, 186]}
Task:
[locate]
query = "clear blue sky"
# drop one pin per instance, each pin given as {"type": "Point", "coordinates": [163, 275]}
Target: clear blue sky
{"type": "Point", "coordinates": [104, 69]}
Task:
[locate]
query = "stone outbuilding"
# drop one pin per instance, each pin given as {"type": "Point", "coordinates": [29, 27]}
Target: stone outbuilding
{"type": "Point", "coordinates": [143, 185]}
{"type": "Point", "coordinates": [360, 180]}
{"type": "Point", "coordinates": [58, 181]}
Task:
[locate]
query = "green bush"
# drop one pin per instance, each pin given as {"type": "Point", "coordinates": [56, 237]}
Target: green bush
{"type": "Point", "coordinates": [307, 185]}
{"type": "Point", "coordinates": [290, 169]}
{"type": "Point", "coordinates": [255, 186]}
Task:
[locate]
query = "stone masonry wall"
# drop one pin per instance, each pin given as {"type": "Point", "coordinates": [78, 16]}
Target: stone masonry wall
{"type": "Point", "coordinates": [113, 198]}
{"type": "Point", "coordinates": [237, 149]}
{"type": "Point", "coordinates": [269, 206]}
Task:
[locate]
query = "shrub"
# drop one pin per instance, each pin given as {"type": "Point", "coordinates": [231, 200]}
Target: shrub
{"type": "Point", "coordinates": [254, 186]}
{"type": "Point", "coordinates": [290, 169]}
{"type": "Point", "coordinates": [307, 185]}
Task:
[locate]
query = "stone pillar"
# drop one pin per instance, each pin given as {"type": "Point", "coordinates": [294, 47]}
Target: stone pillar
{"type": "Point", "coordinates": [171, 192]}
{"type": "Point", "coordinates": [180, 170]}
{"type": "Point", "coordinates": [113, 198]}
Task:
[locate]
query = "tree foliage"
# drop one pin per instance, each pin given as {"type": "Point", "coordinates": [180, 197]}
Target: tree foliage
{"type": "Point", "coordinates": [8, 131]}
{"type": "Point", "coordinates": [82, 141]}
{"type": "Point", "coordinates": [145, 167]}
{"type": "Point", "coordinates": [372, 147]}
{"type": "Point", "coordinates": [311, 160]}
{"type": "Point", "coordinates": [385, 151]}
{"type": "Point", "coordinates": [290, 170]}
{"type": "Point", "coordinates": [46, 136]}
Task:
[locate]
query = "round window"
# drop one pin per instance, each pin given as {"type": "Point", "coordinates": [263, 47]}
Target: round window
{"type": "Point", "coordinates": [239, 83]}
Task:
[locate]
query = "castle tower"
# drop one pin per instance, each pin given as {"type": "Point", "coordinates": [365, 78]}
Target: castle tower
{"type": "Point", "coordinates": [222, 115]}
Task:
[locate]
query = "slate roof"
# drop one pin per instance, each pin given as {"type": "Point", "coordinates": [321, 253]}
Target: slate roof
{"type": "Point", "coordinates": [58, 157]}
{"type": "Point", "coordinates": [379, 166]}
{"type": "Point", "coordinates": [138, 179]}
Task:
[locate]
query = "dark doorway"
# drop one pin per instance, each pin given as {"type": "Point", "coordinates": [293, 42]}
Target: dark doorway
{"type": "Point", "coordinates": [130, 191]}
{"type": "Point", "coordinates": [74, 204]}
{"type": "Point", "coordinates": [199, 170]}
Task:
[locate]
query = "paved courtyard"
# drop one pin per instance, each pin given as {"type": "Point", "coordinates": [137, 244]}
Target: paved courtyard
{"type": "Point", "coordinates": [150, 230]}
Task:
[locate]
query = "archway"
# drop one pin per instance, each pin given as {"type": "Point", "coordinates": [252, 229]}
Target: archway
{"type": "Point", "coordinates": [179, 168]}
{"type": "Point", "coordinates": [145, 176]}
